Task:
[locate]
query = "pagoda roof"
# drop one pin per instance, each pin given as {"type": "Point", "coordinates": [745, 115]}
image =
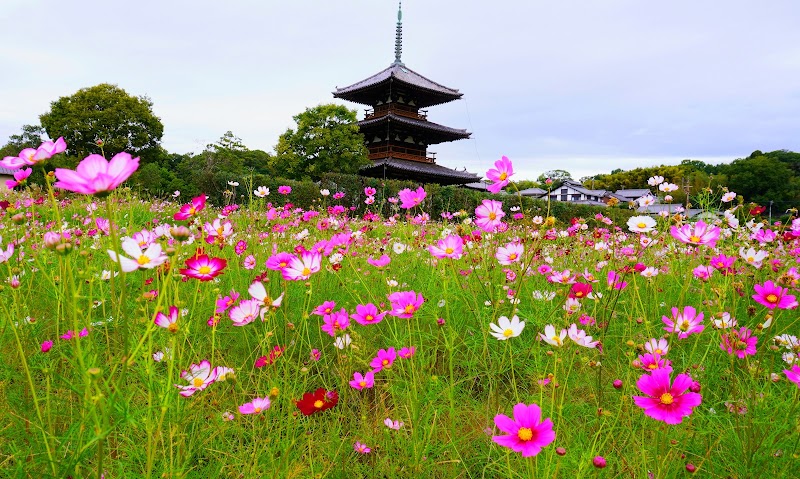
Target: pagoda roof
{"type": "Point", "coordinates": [423, 172]}
{"type": "Point", "coordinates": [429, 92]}
{"type": "Point", "coordinates": [440, 133]}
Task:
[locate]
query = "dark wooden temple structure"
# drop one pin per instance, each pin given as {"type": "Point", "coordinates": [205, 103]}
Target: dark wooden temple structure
{"type": "Point", "coordinates": [396, 129]}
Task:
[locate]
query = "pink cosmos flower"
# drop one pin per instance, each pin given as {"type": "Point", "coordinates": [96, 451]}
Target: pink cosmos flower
{"type": "Point", "coordinates": [278, 262]}
{"type": "Point", "coordinates": [614, 280]}
{"type": "Point", "coordinates": [363, 382]}
{"type": "Point", "coordinates": [368, 314]}
{"type": "Point", "coordinates": [369, 191]}
{"type": "Point", "coordinates": [657, 346]}
{"type": "Point", "coordinates": [383, 360]}
{"type": "Point", "coordinates": [380, 262]}
{"type": "Point", "coordinates": [249, 262]}
{"type": "Point", "coordinates": [31, 156]}
{"type": "Point", "coordinates": [95, 175]}
{"type": "Point", "coordinates": [152, 257]}
{"type": "Point", "coordinates": [202, 267]}
{"type": "Point", "coordinates": [510, 253]}
{"type": "Point", "coordinates": [407, 352]}
{"type": "Point", "coordinates": [396, 425]}
{"type": "Point", "coordinates": [450, 247]}
{"type": "Point", "coordinates": [223, 303]}
{"type": "Point", "coordinates": [46, 346]}
{"type": "Point", "coordinates": [696, 234]}
{"type": "Point", "coordinates": [685, 323]}
{"type": "Point", "coordinates": [255, 406]}
{"type": "Point", "coordinates": [199, 376]}
{"type": "Point", "coordinates": [217, 232]}
{"type": "Point", "coordinates": [405, 303]}
{"type": "Point", "coordinates": [19, 178]}
{"type": "Point", "coordinates": [702, 272]}
{"type": "Point", "coordinates": [526, 433]}
{"type": "Point", "coordinates": [410, 198]}
{"type": "Point", "coordinates": [301, 268]}
{"type": "Point", "coordinates": [500, 174]}
{"type": "Point", "coordinates": [793, 374]}
{"type": "Point", "coordinates": [191, 209]}
{"type": "Point", "coordinates": [324, 308]}
{"type": "Point", "coordinates": [773, 296]}
{"type": "Point", "coordinates": [580, 338]}
{"type": "Point", "coordinates": [284, 190]}
{"type": "Point", "coordinates": [170, 322]}
{"type": "Point", "coordinates": [245, 312]}
{"type": "Point", "coordinates": [651, 362]}
{"type": "Point", "coordinates": [664, 402]}
{"type": "Point", "coordinates": [335, 322]}
{"type": "Point", "coordinates": [361, 448]}
{"type": "Point", "coordinates": [741, 343]}
{"type": "Point", "coordinates": [488, 215]}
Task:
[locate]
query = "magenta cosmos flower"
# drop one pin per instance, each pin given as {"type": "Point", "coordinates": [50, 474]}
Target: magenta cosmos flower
{"type": "Point", "coordinates": [383, 360]}
{"type": "Point", "coordinates": [410, 199]}
{"type": "Point", "coordinates": [773, 296]}
{"type": "Point", "coordinates": [502, 171]}
{"type": "Point", "coordinates": [95, 175]}
{"type": "Point", "coordinates": [793, 374]}
{"type": "Point", "coordinates": [450, 247]}
{"type": "Point", "coordinates": [19, 178]}
{"type": "Point", "coordinates": [664, 402]}
{"type": "Point", "coordinates": [488, 215]}
{"type": "Point", "coordinates": [365, 381]}
{"type": "Point", "coordinates": [202, 267]}
{"type": "Point", "coordinates": [31, 156]}
{"type": "Point", "coordinates": [685, 323]}
{"type": "Point", "coordinates": [367, 314]}
{"type": "Point", "coordinates": [526, 433]}
{"type": "Point", "coordinates": [405, 303]}
{"type": "Point", "coordinates": [335, 322]}
{"type": "Point", "coordinates": [380, 262]}
{"type": "Point", "coordinates": [189, 210]}
{"type": "Point", "coordinates": [255, 406]}
{"type": "Point", "coordinates": [741, 343]}
{"type": "Point", "coordinates": [696, 234]}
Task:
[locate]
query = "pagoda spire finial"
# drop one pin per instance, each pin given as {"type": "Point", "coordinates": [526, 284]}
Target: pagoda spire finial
{"type": "Point", "coordinates": [398, 41]}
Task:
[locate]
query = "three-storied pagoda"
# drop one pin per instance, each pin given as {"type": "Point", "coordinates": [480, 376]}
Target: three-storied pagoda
{"type": "Point", "coordinates": [396, 130]}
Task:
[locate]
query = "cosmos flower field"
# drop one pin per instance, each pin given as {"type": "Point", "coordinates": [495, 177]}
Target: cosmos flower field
{"type": "Point", "coordinates": [182, 339]}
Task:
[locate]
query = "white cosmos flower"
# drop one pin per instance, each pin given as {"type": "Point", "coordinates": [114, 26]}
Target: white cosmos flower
{"type": "Point", "coordinates": [551, 337]}
{"type": "Point", "coordinates": [343, 341]}
{"type": "Point", "coordinates": [399, 248]}
{"type": "Point", "coordinates": [752, 256]}
{"type": "Point", "coordinates": [641, 224]}
{"type": "Point", "coordinates": [655, 180]}
{"type": "Point", "coordinates": [261, 191]}
{"type": "Point", "coordinates": [506, 328]}
{"type": "Point", "coordinates": [729, 196]}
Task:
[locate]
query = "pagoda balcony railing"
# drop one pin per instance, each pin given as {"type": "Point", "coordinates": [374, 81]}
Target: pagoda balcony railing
{"type": "Point", "coordinates": [417, 115]}
{"type": "Point", "coordinates": [379, 152]}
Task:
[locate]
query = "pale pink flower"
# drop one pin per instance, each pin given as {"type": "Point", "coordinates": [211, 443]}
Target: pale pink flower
{"type": "Point", "coordinates": [488, 215]}
{"type": "Point", "coordinates": [449, 247]}
{"type": "Point", "coordinates": [510, 253]}
{"type": "Point", "coordinates": [255, 406]}
{"type": "Point", "coordinates": [95, 175]}
{"type": "Point", "coordinates": [684, 323]}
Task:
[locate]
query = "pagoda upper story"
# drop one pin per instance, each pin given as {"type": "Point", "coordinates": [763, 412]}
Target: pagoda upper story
{"type": "Point", "coordinates": [396, 129]}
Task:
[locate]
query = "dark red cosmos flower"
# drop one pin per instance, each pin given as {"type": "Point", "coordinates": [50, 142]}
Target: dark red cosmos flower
{"type": "Point", "coordinates": [757, 210]}
{"type": "Point", "coordinates": [580, 290]}
{"type": "Point", "coordinates": [319, 400]}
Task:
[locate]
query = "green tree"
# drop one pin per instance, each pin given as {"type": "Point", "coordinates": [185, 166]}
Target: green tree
{"type": "Point", "coordinates": [558, 177]}
{"type": "Point", "coordinates": [326, 139]}
{"type": "Point", "coordinates": [108, 113]}
{"type": "Point", "coordinates": [762, 179]}
{"type": "Point", "coordinates": [30, 137]}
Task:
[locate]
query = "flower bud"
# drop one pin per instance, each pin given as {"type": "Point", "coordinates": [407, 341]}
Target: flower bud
{"type": "Point", "coordinates": [599, 462]}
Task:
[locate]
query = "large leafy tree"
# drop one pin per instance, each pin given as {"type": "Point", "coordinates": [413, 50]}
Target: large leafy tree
{"type": "Point", "coordinates": [326, 139]}
{"type": "Point", "coordinates": [108, 113]}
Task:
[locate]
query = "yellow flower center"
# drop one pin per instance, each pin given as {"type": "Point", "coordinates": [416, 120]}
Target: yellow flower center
{"type": "Point", "coordinates": [667, 398]}
{"type": "Point", "coordinates": [642, 225]}
{"type": "Point", "coordinates": [319, 403]}
{"type": "Point", "coordinates": [525, 434]}
{"type": "Point", "coordinates": [508, 333]}
{"type": "Point", "coordinates": [652, 366]}
{"type": "Point", "coordinates": [449, 250]}
{"type": "Point", "coordinates": [659, 351]}
{"type": "Point", "coordinates": [362, 383]}
{"type": "Point", "coordinates": [197, 382]}
{"type": "Point", "coordinates": [204, 269]}
{"type": "Point", "coordinates": [257, 410]}
{"type": "Point", "coordinates": [684, 325]}
{"type": "Point", "coordinates": [173, 327]}
{"type": "Point", "coordinates": [556, 339]}
{"type": "Point", "coordinates": [409, 309]}
{"type": "Point", "coordinates": [306, 271]}
{"type": "Point", "coordinates": [512, 256]}
{"type": "Point", "coordinates": [772, 298]}
{"type": "Point", "coordinates": [143, 260]}
{"type": "Point", "coordinates": [369, 317]}
{"type": "Point", "coordinates": [503, 176]}
{"type": "Point", "coordinates": [492, 216]}
{"type": "Point", "coordinates": [694, 239]}
{"type": "Point", "coordinates": [385, 362]}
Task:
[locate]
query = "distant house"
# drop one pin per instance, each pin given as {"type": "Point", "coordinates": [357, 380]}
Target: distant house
{"type": "Point", "coordinates": [572, 191]}
{"type": "Point", "coordinates": [533, 192]}
{"type": "Point", "coordinates": [634, 194]}
{"type": "Point", "coordinates": [5, 174]}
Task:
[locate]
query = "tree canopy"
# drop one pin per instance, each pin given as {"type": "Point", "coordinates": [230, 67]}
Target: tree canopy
{"type": "Point", "coordinates": [326, 139]}
{"type": "Point", "coordinates": [108, 113]}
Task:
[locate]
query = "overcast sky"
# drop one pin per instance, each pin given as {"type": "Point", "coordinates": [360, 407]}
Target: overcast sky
{"type": "Point", "coordinates": [582, 85]}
